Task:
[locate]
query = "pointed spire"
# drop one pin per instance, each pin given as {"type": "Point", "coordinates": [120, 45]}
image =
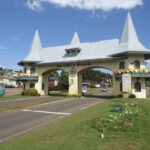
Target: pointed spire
{"type": "Point", "coordinates": [129, 33]}
{"type": "Point", "coordinates": [36, 43]}
{"type": "Point", "coordinates": [129, 40]}
{"type": "Point", "coordinates": [75, 40]}
{"type": "Point", "coordinates": [34, 54]}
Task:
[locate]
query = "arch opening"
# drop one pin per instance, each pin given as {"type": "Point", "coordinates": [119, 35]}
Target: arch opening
{"type": "Point", "coordinates": [96, 82]}
{"type": "Point", "coordinates": [55, 82]}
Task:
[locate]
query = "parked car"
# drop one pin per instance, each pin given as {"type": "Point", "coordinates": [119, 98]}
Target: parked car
{"type": "Point", "coordinates": [9, 85]}
{"type": "Point", "coordinates": [104, 88]}
{"type": "Point", "coordinates": [84, 90]}
{"type": "Point", "coordinates": [97, 85]}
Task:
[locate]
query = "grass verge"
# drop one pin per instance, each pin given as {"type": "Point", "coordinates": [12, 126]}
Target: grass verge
{"type": "Point", "coordinates": [75, 133]}
{"type": "Point", "coordinates": [14, 97]}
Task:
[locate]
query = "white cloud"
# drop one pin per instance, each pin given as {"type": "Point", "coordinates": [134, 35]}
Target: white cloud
{"type": "Point", "coordinates": [104, 16]}
{"type": "Point", "coordinates": [105, 5]}
{"type": "Point", "coordinates": [35, 5]}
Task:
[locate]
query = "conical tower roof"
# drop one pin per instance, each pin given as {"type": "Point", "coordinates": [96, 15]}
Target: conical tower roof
{"type": "Point", "coordinates": [34, 54]}
{"type": "Point", "coordinates": [75, 40]}
{"type": "Point", "coordinates": [129, 41]}
{"type": "Point", "coordinates": [129, 33]}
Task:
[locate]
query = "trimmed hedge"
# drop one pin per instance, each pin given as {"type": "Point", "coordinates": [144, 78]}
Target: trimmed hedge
{"type": "Point", "coordinates": [120, 96]}
{"type": "Point", "coordinates": [30, 92]}
{"type": "Point", "coordinates": [132, 96]}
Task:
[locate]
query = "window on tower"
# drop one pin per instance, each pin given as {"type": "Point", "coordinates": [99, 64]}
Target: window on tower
{"type": "Point", "coordinates": [136, 64]}
{"type": "Point", "coordinates": [122, 65]}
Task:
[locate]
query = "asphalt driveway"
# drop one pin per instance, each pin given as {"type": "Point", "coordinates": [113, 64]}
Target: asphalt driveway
{"type": "Point", "coordinates": [17, 123]}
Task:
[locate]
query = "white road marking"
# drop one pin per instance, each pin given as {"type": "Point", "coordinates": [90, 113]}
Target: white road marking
{"type": "Point", "coordinates": [46, 112]}
{"type": "Point", "coordinates": [58, 101]}
{"type": "Point", "coordinates": [38, 105]}
{"type": "Point", "coordinates": [90, 105]}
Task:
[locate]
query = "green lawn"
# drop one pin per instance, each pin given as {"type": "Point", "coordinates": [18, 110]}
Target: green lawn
{"type": "Point", "coordinates": [74, 133]}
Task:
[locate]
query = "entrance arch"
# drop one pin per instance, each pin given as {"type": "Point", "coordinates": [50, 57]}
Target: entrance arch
{"type": "Point", "coordinates": [101, 77]}
{"type": "Point", "coordinates": [75, 76]}
{"type": "Point", "coordinates": [123, 56]}
{"type": "Point", "coordinates": [54, 81]}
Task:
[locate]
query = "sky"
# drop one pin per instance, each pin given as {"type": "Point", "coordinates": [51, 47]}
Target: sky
{"type": "Point", "coordinates": [57, 20]}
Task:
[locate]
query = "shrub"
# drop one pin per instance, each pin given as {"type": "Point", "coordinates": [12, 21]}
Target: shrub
{"type": "Point", "coordinates": [58, 87]}
{"type": "Point", "coordinates": [55, 88]}
{"type": "Point", "coordinates": [22, 93]}
{"type": "Point", "coordinates": [30, 92]}
{"type": "Point", "coordinates": [132, 96]}
{"type": "Point", "coordinates": [72, 95]}
{"type": "Point", "coordinates": [117, 108]}
{"type": "Point", "coordinates": [112, 97]}
{"type": "Point", "coordinates": [120, 96]}
{"type": "Point", "coordinates": [92, 86]}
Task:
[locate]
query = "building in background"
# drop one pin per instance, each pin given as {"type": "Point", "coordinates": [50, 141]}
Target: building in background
{"type": "Point", "coordinates": [7, 78]}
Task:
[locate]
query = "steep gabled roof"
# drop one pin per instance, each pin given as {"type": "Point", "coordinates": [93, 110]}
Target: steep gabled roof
{"type": "Point", "coordinates": [129, 41]}
{"type": "Point", "coordinates": [34, 54]}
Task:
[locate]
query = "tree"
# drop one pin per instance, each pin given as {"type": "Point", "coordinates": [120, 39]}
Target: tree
{"type": "Point", "coordinates": [54, 74]}
{"type": "Point", "coordinates": [64, 80]}
{"type": "Point", "coordinates": [95, 76]}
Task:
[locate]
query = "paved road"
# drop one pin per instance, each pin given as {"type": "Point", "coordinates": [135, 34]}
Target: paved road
{"type": "Point", "coordinates": [27, 102]}
{"type": "Point", "coordinates": [16, 123]}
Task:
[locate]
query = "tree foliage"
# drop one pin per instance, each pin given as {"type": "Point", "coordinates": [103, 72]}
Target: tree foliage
{"type": "Point", "coordinates": [95, 76]}
{"type": "Point", "coordinates": [92, 76]}
{"type": "Point", "coordinates": [64, 80]}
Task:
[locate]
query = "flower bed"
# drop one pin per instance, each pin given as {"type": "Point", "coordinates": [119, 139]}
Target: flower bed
{"type": "Point", "coordinates": [26, 76]}
{"type": "Point", "coordinates": [132, 70]}
{"type": "Point", "coordinates": [121, 118]}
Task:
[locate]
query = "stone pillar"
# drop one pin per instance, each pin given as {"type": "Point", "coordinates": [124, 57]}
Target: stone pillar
{"type": "Point", "coordinates": [38, 85]}
{"type": "Point", "coordinates": [27, 85]}
{"type": "Point", "coordinates": [75, 84]}
{"type": "Point", "coordinates": [45, 83]}
{"type": "Point", "coordinates": [79, 84]}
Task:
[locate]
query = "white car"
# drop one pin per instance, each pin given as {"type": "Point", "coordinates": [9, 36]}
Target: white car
{"type": "Point", "coordinates": [97, 85]}
{"type": "Point", "coordinates": [84, 89]}
{"type": "Point", "coordinates": [104, 88]}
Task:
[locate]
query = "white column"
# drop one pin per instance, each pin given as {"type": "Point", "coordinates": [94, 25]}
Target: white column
{"type": "Point", "coordinates": [45, 82]}
{"type": "Point", "coordinates": [79, 84]}
{"type": "Point", "coordinates": [38, 85]}
{"type": "Point", "coordinates": [75, 81]}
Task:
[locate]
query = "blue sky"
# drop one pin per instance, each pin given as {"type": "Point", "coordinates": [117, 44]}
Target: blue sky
{"type": "Point", "coordinates": [57, 21]}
